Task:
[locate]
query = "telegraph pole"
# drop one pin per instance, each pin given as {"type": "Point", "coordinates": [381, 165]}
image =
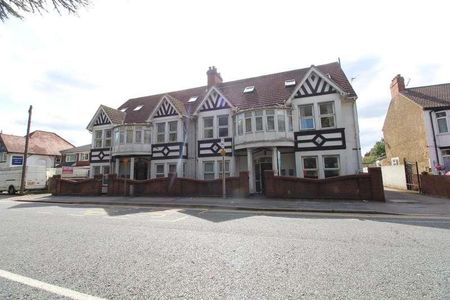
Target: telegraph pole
{"type": "Point", "coordinates": [24, 163]}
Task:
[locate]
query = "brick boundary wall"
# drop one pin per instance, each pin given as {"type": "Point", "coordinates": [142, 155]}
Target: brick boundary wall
{"type": "Point", "coordinates": [178, 186]}
{"type": "Point", "coordinates": [367, 186]}
{"type": "Point", "coordinates": [91, 186]}
{"type": "Point", "coordinates": [436, 185]}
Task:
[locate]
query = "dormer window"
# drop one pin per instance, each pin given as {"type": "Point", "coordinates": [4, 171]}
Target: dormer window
{"type": "Point", "coordinates": [290, 82]}
{"type": "Point", "coordinates": [124, 109]}
{"type": "Point", "coordinates": [138, 107]}
{"type": "Point", "coordinates": [193, 99]}
{"type": "Point", "coordinates": [249, 89]}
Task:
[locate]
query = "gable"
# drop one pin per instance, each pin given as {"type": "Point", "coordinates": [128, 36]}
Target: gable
{"type": "Point", "coordinates": [314, 85]}
{"type": "Point", "coordinates": [102, 119]}
{"type": "Point", "coordinates": [166, 109]}
{"type": "Point", "coordinates": [214, 101]}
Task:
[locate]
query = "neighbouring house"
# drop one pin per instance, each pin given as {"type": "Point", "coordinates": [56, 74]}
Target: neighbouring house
{"type": "Point", "coordinates": [416, 127]}
{"type": "Point", "coordinates": [299, 123]}
{"type": "Point", "coordinates": [43, 149]}
{"type": "Point", "coordinates": [75, 162]}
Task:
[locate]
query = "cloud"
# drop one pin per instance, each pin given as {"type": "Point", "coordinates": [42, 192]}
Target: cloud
{"type": "Point", "coordinates": [66, 66]}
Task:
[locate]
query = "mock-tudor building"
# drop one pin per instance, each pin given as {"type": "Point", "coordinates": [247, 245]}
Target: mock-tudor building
{"type": "Point", "coordinates": [297, 123]}
{"type": "Point", "coordinates": [417, 126]}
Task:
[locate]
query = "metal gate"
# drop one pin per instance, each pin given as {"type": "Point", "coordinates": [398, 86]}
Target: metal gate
{"type": "Point", "coordinates": [412, 175]}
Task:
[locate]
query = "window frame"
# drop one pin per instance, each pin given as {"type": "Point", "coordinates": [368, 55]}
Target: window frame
{"type": "Point", "coordinates": [209, 129]}
{"type": "Point", "coordinates": [227, 166]}
{"type": "Point", "coordinates": [327, 115]}
{"type": "Point", "coordinates": [161, 133]}
{"type": "Point", "coordinates": [160, 174]}
{"type": "Point", "coordinates": [73, 155]}
{"type": "Point", "coordinates": [213, 172]}
{"type": "Point", "coordinates": [325, 169]}
{"type": "Point", "coordinates": [248, 126]}
{"type": "Point", "coordinates": [259, 115]}
{"type": "Point", "coordinates": [223, 127]}
{"type": "Point", "coordinates": [171, 132]}
{"type": "Point", "coordinates": [440, 118]}
{"type": "Point", "coordinates": [98, 138]}
{"type": "Point", "coordinates": [272, 116]}
{"type": "Point", "coordinates": [312, 117]}
{"type": "Point", "coordinates": [3, 157]}
{"type": "Point", "coordinates": [281, 114]}
{"type": "Point", "coordinates": [84, 156]}
{"type": "Point", "coordinates": [316, 169]}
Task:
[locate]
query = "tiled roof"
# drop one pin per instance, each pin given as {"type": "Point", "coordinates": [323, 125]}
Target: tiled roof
{"type": "Point", "coordinates": [432, 96]}
{"type": "Point", "coordinates": [116, 116]}
{"type": "Point", "coordinates": [84, 148]}
{"type": "Point", "coordinates": [40, 142]}
{"type": "Point", "coordinates": [269, 91]}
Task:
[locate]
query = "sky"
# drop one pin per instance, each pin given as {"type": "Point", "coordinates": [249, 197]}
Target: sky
{"type": "Point", "coordinates": [67, 65]}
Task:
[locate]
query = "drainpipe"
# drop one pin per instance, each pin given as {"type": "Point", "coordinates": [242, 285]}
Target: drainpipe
{"type": "Point", "coordinates": [434, 138]}
{"type": "Point", "coordinates": [358, 146]}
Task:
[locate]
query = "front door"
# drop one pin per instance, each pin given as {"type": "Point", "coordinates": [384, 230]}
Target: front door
{"type": "Point", "coordinates": [261, 165]}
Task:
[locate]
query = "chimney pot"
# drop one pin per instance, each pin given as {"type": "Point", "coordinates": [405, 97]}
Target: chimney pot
{"type": "Point", "coordinates": [397, 85]}
{"type": "Point", "coordinates": [214, 77]}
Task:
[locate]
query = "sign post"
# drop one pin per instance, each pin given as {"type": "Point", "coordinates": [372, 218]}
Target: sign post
{"type": "Point", "coordinates": [223, 153]}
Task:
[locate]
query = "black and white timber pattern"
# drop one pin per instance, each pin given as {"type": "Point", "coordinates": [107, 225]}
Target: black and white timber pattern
{"type": "Point", "coordinates": [314, 85]}
{"type": "Point", "coordinates": [169, 150]}
{"type": "Point", "coordinates": [208, 148]}
{"type": "Point", "coordinates": [100, 155]}
{"type": "Point", "coordinates": [314, 140]}
{"type": "Point", "coordinates": [102, 119]}
{"type": "Point", "coordinates": [214, 101]}
{"type": "Point", "coordinates": [165, 109]}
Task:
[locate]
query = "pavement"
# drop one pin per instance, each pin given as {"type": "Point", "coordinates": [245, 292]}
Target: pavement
{"type": "Point", "coordinates": [52, 251]}
{"type": "Point", "coordinates": [397, 203]}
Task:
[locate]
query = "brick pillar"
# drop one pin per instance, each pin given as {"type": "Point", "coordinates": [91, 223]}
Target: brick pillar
{"type": "Point", "coordinates": [269, 183]}
{"type": "Point", "coordinates": [98, 184]}
{"type": "Point", "coordinates": [376, 183]}
{"type": "Point", "coordinates": [244, 190]}
{"type": "Point", "coordinates": [112, 184]}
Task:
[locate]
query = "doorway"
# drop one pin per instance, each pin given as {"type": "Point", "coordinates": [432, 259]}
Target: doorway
{"type": "Point", "coordinates": [261, 165]}
{"type": "Point", "coordinates": [141, 169]}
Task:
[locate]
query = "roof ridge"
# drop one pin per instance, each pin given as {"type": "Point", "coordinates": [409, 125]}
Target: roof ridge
{"type": "Point", "coordinates": [430, 85]}
{"type": "Point", "coordinates": [235, 81]}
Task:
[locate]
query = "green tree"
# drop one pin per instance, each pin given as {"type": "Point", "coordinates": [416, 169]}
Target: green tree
{"type": "Point", "coordinates": [378, 150]}
{"type": "Point", "coordinates": [15, 8]}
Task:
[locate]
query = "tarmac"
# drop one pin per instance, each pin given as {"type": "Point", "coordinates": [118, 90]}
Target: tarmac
{"type": "Point", "coordinates": [397, 203]}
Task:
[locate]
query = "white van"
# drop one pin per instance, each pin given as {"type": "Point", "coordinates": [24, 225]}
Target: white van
{"type": "Point", "coordinates": [35, 178]}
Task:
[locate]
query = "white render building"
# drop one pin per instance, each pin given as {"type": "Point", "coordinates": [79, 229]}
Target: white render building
{"type": "Point", "coordinates": [297, 123]}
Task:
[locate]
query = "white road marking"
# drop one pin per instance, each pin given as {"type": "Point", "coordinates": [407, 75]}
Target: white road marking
{"type": "Point", "coordinates": [46, 286]}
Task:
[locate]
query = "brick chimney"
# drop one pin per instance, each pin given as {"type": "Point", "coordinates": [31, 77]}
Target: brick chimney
{"type": "Point", "coordinates": [213, 77]}
{"type": "Point", "coordinates": [397, 85]}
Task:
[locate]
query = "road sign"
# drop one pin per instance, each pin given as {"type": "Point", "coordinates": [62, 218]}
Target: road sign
{"type": "Point", "coordinates": [223, 152]}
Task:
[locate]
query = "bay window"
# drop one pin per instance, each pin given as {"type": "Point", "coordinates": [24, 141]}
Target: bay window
{"type": "Point", "coordinates": [290, 127]}
{"type": "Point", "coordinates": [248, 122]}
{"type": "Point", "coordinates": [129, 139]}
{"type": "Point", "coordinates": [259, 120]}
{"type": "Point", "coordinates": [147, 136]}
{"type": "Point", "coordinates": [270, 120]}
{"type": "Point", "coordinates": [138, 135]}
{"type": "Point", "coordinates": [281, 120]}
